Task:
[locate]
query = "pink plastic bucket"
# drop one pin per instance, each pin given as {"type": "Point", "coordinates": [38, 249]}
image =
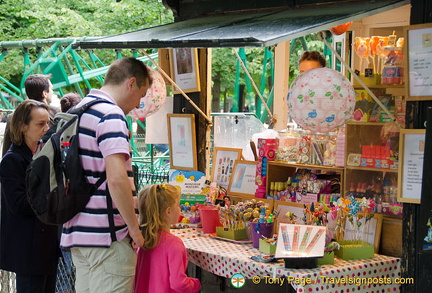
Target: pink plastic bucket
{"type": "Point", "coordinates": [209, 219]}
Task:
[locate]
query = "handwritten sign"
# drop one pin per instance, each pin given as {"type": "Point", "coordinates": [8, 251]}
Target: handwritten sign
{"type": "Point", "coordinates": [420, 61]}
{"type": "Point", "coordinates": [411, 150]}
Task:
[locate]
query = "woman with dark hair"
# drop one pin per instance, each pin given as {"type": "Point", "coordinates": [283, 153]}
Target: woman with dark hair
{"type": "Point", "coordinates": [311, 60]}
{"type": "Point", "coordinates": [69, 100]}
{"type": "Point", "coordinates": [27, 246]}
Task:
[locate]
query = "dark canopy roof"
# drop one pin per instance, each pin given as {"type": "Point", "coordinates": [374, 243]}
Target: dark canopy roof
{"type": "Point", "coordinates": [258, 29]}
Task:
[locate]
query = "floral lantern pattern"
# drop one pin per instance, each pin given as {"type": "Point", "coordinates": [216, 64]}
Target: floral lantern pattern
{"type": "Point", "coordinates": [321, 100]}
{"type": "Point", "coordinates": [154, 98]}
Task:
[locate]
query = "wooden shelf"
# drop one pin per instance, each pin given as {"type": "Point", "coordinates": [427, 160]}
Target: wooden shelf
{"type": "Point", "coordinates": [371, 169]}
{"type": "Point", "coordinates": [279, 171]}
{"type": "Point", "coordinates": [353, 122]}
{"type": "Point", "coordinates": [380, 86]}
{"type": "Point", "coordinates": [306, 166]}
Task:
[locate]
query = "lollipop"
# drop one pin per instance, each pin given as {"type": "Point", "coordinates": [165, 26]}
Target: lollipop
{"type": "Point", "coordinates": [377, 45]}
{"type": "Point", "coordinates": [361, 46]}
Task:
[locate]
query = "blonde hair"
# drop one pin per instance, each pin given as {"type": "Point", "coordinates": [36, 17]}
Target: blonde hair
{"type": "Point", "coordinates": [153, 202]}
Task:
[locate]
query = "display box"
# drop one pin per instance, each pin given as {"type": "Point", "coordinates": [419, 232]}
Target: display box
{"type": "Point", "coordinates": [354, 249]}
{"type": "Point", "coordinates": [234, 234]}
{"type": "Point", "coordinates": [369, 79]}
{"type": "Point", "coordinates": [267, 149]}
{"type": "Point", "coordinates": [327, 259]}
{"type": "Point", "coordinates": [363, 106]}
{"type": "Point", "coordinates": [307, 198]}
{"type": "Point", "coordinates": [301, 263]}
{"type": "Point", "coordinates": [395, 209]}
{"type": "Point", "coordinates": [267, 248]}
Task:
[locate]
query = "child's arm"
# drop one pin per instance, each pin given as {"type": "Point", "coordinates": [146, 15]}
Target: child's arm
{"type": "Point", "coordinates": [178, 262]}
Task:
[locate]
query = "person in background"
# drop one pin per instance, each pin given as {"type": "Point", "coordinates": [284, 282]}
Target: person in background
{"type": "Point", "coordinates": [38, 87]}
{"type": "Point", "coordinates": [310, 60]}
{"type": "Point", "coordinates": [103, 253]}
{"type": "Point", "coordinates": [162, 260]}
{"type": "Point", "coordinates": [68, 101]}
{"type": "Point", "coordinates": [27, 246]}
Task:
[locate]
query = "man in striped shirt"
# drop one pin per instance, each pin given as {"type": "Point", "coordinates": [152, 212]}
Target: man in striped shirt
{"type": "Point", "coordinates": [103, 250]}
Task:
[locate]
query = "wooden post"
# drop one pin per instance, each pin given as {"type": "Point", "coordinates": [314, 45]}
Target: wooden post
{"type": "Point", "coordinates": [281, 83]}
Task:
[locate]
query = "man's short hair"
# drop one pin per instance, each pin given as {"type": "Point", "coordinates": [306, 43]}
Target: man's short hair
{"type": "Point", "coordinates": [313, 56]}
{"type": "Point", "coordinates": [125, 68]}
{"type": "Point", "coordinates": [36, 84]}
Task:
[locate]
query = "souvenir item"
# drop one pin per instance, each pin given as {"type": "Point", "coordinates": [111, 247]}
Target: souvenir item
{"type": "Point", "coordinates": [321, 100]}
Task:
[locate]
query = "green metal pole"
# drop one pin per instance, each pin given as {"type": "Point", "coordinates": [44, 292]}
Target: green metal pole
{"type": "Point", "coordinates": [236, 87]}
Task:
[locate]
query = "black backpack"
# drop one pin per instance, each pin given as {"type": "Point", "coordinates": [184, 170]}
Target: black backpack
{"type": "Point", "coordinates": [57, 187]}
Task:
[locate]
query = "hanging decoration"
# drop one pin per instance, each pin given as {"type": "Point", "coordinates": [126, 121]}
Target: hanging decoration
{"type": "Point", "coordinates": [321, 100]}
{"type": "Point", "coordinates": [154, 98]}
{"type": "Point", "coordinates": [340, 29]}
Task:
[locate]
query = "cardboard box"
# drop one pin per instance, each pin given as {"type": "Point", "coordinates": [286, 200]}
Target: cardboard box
{"type": "Point", "coordinates": [355, 249]}
{"type": "Point", "coordinates": [327, 259]}
{"type": "Point", "coordinates": [363, 106]}
{"type": "Point", "coordinates": [369, 79]}
{"type": "Point", "coordinates": [307, 198]}
{"type": "Point", "coordinates": [266, 247]}
{"type": "Point", "coordinates": [234, 234]}
{"type": "Point", "coordinates": [395, 209]}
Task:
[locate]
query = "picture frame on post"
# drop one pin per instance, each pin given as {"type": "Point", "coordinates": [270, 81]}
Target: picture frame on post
{"type": "Point", "coordinates": [184, 70]}
{"type": "Point", "coordinates": [182, 142]}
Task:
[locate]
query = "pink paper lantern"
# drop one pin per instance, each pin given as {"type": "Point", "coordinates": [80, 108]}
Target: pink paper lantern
{"type": "Point", "coordinates": [321, 100]}
{"type": "Point", "coordinates": [154, 98]}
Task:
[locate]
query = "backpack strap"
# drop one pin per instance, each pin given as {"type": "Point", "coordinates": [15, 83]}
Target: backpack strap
{"type": "Point", "coordinates": [84, 107]}
{"type": "Point", "coordinates": [110, 215]}
{"type": "Point", "coordinates": [110, 208]}
{"type": "Point", "coordinates": [79, 111]}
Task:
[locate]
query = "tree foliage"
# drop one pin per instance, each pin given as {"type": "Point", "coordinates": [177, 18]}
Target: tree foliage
{"type": "Point", "coordinates": [46, 19]}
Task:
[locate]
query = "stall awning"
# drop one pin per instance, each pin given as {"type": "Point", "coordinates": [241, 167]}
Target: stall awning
{"type": "Point", "coordinates": [259, 29]}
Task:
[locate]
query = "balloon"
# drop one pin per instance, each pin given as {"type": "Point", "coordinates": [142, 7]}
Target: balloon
{"type": "Point", "coordinates": [361, 46]}
{"type": "Point", "coordinates": [340, 29]}
{"type": "Point", "coordinates": [321, 100]}
{"type": "Point", "coordinates": [154, 98]}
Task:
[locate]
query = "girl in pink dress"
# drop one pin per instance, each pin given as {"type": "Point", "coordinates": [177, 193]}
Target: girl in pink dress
{"type": "Point", "coordinates": [162, 261]}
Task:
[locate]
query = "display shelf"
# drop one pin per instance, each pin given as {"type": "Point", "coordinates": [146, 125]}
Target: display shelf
{"type": "Point", "coordinates": [279, 171]}
{"type": "Point", "coordinates": [371, 169]}
{"type": "Point", "coordinates": [380, 86]}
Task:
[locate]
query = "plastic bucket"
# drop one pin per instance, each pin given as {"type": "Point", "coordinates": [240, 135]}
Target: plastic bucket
{"type": "Point", "coordinates": [209, 219]}
{"type": "Point", "coordinates": [260, 230]}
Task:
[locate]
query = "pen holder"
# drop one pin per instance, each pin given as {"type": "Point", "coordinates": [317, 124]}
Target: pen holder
{"type": "Point", "coordinates": [260, 230]}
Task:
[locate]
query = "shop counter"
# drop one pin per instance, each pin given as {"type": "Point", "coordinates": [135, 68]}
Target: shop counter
{"type": "Point", "coordinates": [224, 258]}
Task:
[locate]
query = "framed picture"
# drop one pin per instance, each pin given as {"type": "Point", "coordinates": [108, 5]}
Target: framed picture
{"type": "Point", "coordinates": [223, 165]}
{"type": "Point", "coordinates": [366, 230]}
{"type": "Point", "coordinates": [184, 69]}
{"type": "Point", "coordinates": [283, 207]}
{"type": "Point", "coordinates": [242, 181]}
{"type": "Point", "coordinates": [410, 173]}
{"type": "Point", "coordinates": [182, 141]}
{"type": "Point", "coordinates": [418, 53]}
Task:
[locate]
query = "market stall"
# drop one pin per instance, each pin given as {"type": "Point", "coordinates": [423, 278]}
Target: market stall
{"type": "Point", "coordinates": [321, 163]}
